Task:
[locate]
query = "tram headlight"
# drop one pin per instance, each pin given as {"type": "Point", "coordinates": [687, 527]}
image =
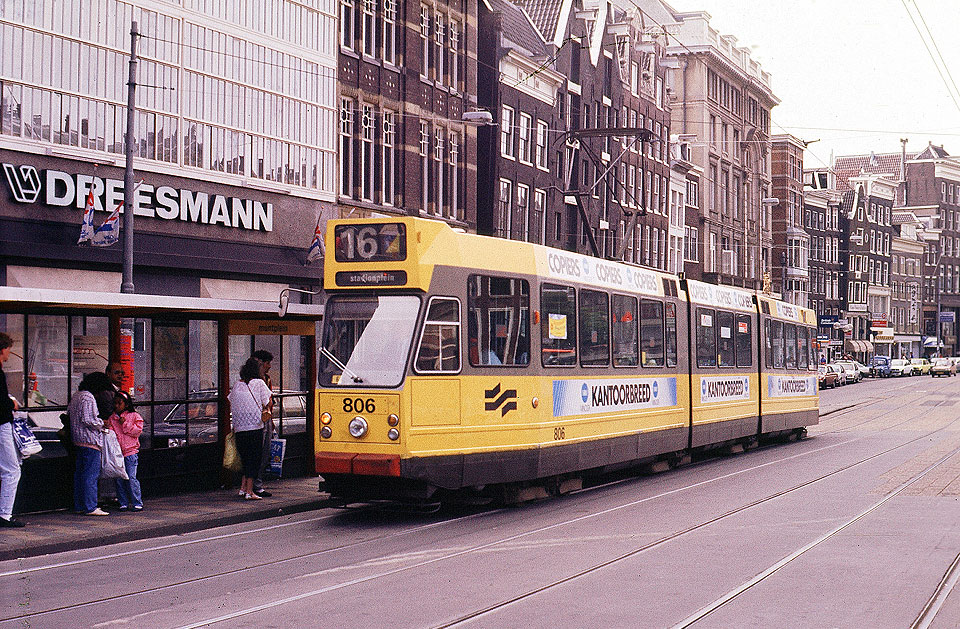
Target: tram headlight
{"type": "Point", "coordinates": [393, 434]}
{"type": "Point", "coordinates": [326, 432]}
{"type": "Point", "coordinates": [392, 419]}
{"type": "Point", "coordinates": [358, 427]}
{"type": "Point", "coordinates": [325, 418]}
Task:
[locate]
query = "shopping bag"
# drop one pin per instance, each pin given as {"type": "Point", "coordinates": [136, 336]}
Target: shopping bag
{"type": "Point", "coordinates": [23, 437]}
{"type": "Point", "coordinates": [231, 456]}
{"type": "Point", "coordinates": [111, 457]}
{"type": "Point", "coordinates": [278, 447]}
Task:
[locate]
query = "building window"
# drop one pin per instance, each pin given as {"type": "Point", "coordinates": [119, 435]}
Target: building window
{"type": "Point", "coordinates": [692, 244]}
{"type": "Point", "coordinates": [424, 166]}
{"type": "Point", "coordinates": [454, 54]}
{"type": "Point", "coordinates": [346, 148]}
{"type": "Point", "coordinates": [523, 209]}
{"type": "Point", "coordinates": [347, 20]}
{"type": "Point", "coordinates": [390, 31]}
{"type": "Point", "coordinates": [388, 157]}
{"type": "Point", "coordinates": [507, 132]}
{"type": "Point", "coordinates": [439, 35]}
{"type": "Point", "coordinates": [425, 47]}
{"type": "Point", "coordinates": [505, 217]}
{"type": "Point", "coordinates": [454, 179]}
{"type": "Point", "coordinates": [368, 28]}
{"type": "Point", "coordinates": [542, 144]}
{"type": "Point", "coordinates": [366, 153]}
{"type": "Point", "coordinates": [539, 215]}
{"type": "Point", "coordinates": [526, 123]}
{"type": "Point", "coordinates": [439, 143]}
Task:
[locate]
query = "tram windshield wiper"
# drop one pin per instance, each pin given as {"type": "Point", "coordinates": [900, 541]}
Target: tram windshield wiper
{"type": "Point", "coordinates": [336, 361]}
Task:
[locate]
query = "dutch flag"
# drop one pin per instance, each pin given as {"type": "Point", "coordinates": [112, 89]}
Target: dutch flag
{"type": "Point", "coordinates": [109, 232]}
{"type": "Point", "coordinates": [315, 251]}
{"type": "Point", "coordinates": [86, 227]}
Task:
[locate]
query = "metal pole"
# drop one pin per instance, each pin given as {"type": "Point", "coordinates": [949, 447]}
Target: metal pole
{"type": "Point", "coordinates": [126, 284]}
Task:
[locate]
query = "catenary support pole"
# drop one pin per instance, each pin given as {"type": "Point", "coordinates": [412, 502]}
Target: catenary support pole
{"type": "Point", "coordinates": [126, 284]}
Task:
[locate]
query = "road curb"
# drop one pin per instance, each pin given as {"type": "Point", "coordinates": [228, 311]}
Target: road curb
{"type": "Point", "coordinates": [178, 528]}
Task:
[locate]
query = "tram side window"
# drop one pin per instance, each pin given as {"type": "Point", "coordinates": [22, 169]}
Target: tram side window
{"type": "Point", "coordinates": [790, 341]}
{"type": "Point", "coordinates": [744, 342]}
{"type": "Point", "coordinates": [811, 337]}
{"type": "Point", "coordinates": [594, 329]}
{"type": "Point", "coordinates": [439, 349]}
{"type": "Point", "coordinates": [651, 332]}
{"type": "Point", "coordinates": [624, 331]}
{"type": "Point", "coordinates": [558, 326]}
{"type": "Point", "coordinates": [498, 321]}
{"type": "Point", "coordinates": [767, 344]}
{"type": "Point", "coordinates": [706, 338]}
{"type": "Point", "coordinates": [776, 340]}
{"type": "Point", "coordinates": [725, 348]}
{"type": "Point", "coordinates": [671, 335]}
{"type": "Point", "coordinates": [802, 347]}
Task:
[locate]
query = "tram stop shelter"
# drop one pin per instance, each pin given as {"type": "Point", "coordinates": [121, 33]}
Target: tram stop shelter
{"type": "Point", "coordinates": [181, 356]}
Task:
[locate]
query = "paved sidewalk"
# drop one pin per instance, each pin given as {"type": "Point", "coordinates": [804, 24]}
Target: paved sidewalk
{"type": "Point", "coordinates": [60, 531]}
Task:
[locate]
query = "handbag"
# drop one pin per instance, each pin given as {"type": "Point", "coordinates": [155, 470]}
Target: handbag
{"type": "Point", "coordinates": [266, 415]}
{"type": "Point", "coordinates": [231, 456]}
{"type": "Point", "coordinates": [23, 437]}
{"type": "Point", "coordinates": [111, 458]}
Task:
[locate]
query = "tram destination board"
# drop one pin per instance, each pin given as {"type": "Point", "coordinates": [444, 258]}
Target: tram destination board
{"type": "Point", "coordinates": [371, 278]}
{"type": "Point", "coordinates": [383, 242]}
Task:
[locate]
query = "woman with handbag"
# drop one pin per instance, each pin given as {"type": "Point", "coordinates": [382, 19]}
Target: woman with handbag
{"type": "Point", "coordinates": [9, 456]}
{"type": "Point", "coordinates": [127, 424]}
{"type": "Point", "coordinates": [87, 428]}
{"type": "Point", "coordinates": [249, 400]}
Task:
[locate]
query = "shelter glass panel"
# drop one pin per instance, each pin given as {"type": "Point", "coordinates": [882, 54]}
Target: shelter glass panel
{"type": "Point", "coordinates": [47, 357]}
{"type": "Point", "coordinates": [12, 324]}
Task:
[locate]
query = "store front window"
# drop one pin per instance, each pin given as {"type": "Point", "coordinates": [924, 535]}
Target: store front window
{"type": "Point", "coordinates": [289, 374]}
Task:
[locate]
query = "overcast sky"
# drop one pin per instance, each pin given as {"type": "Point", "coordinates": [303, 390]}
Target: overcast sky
{"type": "Point", "coordinates": [853, 74]}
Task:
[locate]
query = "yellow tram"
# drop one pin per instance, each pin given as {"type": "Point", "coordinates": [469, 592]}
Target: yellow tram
{"type": "Point", "coordinates": [457, 362]}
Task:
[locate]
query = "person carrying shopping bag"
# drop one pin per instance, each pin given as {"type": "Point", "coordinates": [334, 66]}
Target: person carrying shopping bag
{"type": "Point", "coordinates": [9, 455]}
{"type": "Point", "coordinates": [248, 400]}
{"type": "Point", "coordinates": [127, 424]}
{"type": "Point", "coordinates": [86, 429]}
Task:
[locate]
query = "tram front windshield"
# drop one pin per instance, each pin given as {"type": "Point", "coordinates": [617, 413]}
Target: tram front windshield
{"type": "Point", "coordinates": [366, 340]}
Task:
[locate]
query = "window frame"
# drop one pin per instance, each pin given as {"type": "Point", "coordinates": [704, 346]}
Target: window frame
{"type": "Point", "coordinates": [712, 313]}
{"type": "Point", "coordinates": [423, 332]}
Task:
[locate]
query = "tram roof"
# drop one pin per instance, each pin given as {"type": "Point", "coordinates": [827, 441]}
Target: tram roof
{"type": "Point", "coordinates": [137, 304]}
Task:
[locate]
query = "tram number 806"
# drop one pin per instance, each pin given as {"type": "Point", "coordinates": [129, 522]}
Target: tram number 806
{"type": "Point", "coordinates": [358, 405]}
{"type": "Point", "coordinates": [558, 433]}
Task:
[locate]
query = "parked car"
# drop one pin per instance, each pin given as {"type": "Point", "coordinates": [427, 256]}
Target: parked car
{"type": "Point", "coordinates": [943, 367]}
{"type": "Point", "coordinates": [880, 366]}
{"type": "Point", "coordinates": [827, 376]}
{"type": "Point", "coordinates": [853, 373]}
{"type": "Point", "coordinates": [862, 369]}
{"type": "Point", "coordinates": [921, 366]}
{"type": "Point", "coordinates": [843, 376]}
{"type": "Point", "coordinates": [900, 367]}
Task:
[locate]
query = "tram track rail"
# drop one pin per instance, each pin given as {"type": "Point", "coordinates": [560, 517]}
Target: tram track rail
{"type": "Point", "coordinates": [348, 583]}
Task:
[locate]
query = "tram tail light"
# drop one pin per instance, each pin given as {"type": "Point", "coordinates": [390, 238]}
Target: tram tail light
{"type": "Point", "coordinates": [325, 418]}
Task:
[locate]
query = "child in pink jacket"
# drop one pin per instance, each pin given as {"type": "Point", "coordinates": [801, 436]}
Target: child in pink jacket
{"type": "Point", "coordinates": [128, 425]}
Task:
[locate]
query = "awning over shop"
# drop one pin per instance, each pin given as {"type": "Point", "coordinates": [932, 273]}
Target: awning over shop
{"type": "Point", "coordinates": [139, 305]}
{"type": "Point", "coordinates": [854, 345]}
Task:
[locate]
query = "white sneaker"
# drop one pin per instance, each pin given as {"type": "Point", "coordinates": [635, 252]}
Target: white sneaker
{"type": "Point", "coordinates": [97, 511]}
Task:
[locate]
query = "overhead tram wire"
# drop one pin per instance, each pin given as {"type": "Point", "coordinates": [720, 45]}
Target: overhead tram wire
{"type": "Point", "coordinates": [951, 87]}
